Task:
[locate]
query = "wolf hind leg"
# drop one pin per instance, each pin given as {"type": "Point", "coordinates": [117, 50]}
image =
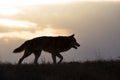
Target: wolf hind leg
{"type": "Point", "coordinates": [37, 55]}
{"type": "Point", "coordinates": [26, 54]}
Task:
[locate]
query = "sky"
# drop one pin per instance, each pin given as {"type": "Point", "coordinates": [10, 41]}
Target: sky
{"type": "Point", "coordinates": [95, 23]}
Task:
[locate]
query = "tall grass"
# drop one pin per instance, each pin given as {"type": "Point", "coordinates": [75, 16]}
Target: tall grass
{"type": "Point", "coordinates": [95, 70]}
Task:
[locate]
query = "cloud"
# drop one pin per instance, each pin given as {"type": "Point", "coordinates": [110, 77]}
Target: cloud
{"type": "Point", "coordinates": [31, 2]}
{"type": "Point", "coordinates": [11, 25]}
{"type": "Point", "coordinates": [9, 11]}
{"type": "Point", "coordinates": [16, 23]}
{"type": "Point", "coordinates": [48, 31]}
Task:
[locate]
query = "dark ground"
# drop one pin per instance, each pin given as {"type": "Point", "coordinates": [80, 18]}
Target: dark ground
{"type": "Point", "coordinates": [95, 70]}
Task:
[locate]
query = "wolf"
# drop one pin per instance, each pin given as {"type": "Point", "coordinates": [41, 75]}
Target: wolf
{"type": "Point", "coordinates": [53, 45]}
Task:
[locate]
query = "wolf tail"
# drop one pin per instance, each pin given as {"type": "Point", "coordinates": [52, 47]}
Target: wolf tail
{"type": "Point", "coordinates": [21, 48]}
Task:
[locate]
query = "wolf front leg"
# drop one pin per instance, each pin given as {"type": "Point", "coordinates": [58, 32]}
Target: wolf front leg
{"type": "Point", "coordinates": [60, 56]}
{"type": "Point", "coordinates": [54, 58]}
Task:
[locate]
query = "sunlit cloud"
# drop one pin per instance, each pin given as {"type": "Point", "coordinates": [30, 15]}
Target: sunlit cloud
{"type": "Point", "coordinates": [9, 11]}
{"type": "Point", "coordinates": [16, 23]}
{"type": "Point", "coordinates": [34, 2]}
{"type": "Point", "coordinates": [30, 2]}
{"type": "Point", "coordinates": [48, 31]}
{"type": "Point", "coordinates": [95, 0]}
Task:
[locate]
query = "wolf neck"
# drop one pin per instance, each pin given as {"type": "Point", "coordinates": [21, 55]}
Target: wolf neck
{"type": "Point", "coordinates": [62, 44]}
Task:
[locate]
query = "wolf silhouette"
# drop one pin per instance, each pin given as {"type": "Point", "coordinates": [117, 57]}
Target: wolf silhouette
{"type": "Point", "coordinates": [53, 45]}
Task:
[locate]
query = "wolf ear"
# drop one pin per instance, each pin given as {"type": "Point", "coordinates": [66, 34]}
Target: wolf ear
{"type": "Point", "coordinates": [72, 35]}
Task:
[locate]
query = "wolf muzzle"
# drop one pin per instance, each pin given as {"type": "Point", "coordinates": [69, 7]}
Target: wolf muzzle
{"type": "Point", "coordinates": [75, 45]}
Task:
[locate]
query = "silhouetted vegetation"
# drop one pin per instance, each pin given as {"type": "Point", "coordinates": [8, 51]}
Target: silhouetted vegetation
{"type": "Point", "coordinates": [94, 70]}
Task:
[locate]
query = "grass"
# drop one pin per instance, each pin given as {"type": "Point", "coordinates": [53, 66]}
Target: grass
{"type": "Point", "coordinates": [90, 70]}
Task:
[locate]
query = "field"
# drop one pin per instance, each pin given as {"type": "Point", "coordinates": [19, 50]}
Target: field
{"type": "Point", "coordinates": [89, 70]}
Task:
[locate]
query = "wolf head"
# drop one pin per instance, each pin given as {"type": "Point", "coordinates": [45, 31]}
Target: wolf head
{"type": "Point", "coordinates": [73, 42]}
